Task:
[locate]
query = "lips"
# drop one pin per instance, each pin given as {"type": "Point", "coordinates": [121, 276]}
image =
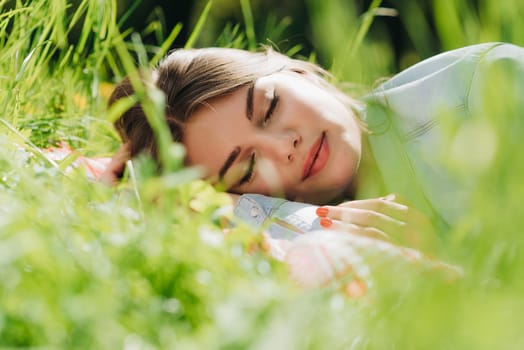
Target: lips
{"type": "Point", "coordinates": [317, 157]}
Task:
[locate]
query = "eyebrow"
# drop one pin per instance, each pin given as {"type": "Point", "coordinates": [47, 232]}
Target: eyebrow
{"type": "Point", "coordinates": [249, 100]}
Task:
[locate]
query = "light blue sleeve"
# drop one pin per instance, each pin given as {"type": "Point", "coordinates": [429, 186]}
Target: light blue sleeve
{"type": "Point", "coordinates": [408, 116]}
{"type": "Point", "coordinates": [280, 218]}
{"type": "Point", "coordinates": [418, 95]}
{"type": "Point", "coordinates": [404, 116]}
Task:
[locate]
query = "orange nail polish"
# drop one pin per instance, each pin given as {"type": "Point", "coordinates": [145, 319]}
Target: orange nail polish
{"type": "Point", "coordinates": [322, 211]}
{"type": "Point", "coordinates": [326, 222]}
{"type": "Point", "coordinates": [356, 288]}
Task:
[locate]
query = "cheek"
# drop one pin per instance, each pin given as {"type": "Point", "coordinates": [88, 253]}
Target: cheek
{"type": "Point", "coordinates": [334, 181]}
{"type": "Point", "coordinates": [344, 165]}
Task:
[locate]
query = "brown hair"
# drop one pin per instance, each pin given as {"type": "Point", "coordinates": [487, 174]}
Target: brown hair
{"type": "Point", "coordinates": [190, 78]}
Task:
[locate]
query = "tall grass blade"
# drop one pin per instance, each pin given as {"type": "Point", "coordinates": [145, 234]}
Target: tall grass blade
{"type": "Point", "coordinates": [199, 26]}
{"type": "Point", "coordinates": [123, 18]}
{"type": "Point", "coordinates": [166, 44]}
{"type": "Point", "coordinates": [25, 64]}
{"type": "Point", "coordinates": [29, 145]}
{"type": "Point", "coordinates": [249, 23]}
{"type": "Point", "coordinates": [367, 20]}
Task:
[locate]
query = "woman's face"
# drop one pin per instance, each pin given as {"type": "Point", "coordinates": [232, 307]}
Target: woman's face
{"type": "Point", "coordinates": [282, 136]}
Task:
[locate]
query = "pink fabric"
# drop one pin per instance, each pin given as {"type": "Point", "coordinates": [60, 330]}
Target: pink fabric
{"type": "Point", "coordinates": [94, 167]}
{"type": "Point", "coordinates": [322, 257]}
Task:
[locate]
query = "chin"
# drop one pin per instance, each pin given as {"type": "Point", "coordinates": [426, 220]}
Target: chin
{"type": "Point", "coordinates": [335, 189]}
{"type": "Point", "coordinates": [321, 198]}
{"type": "Point", "coordinates": [335, 192]}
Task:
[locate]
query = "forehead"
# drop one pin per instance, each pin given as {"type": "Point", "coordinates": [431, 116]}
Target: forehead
{"type": "Point", "coordinates": [214, 130]}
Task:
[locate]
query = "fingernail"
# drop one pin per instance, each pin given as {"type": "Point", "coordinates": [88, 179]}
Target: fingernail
{"type": "Point", "coordinates": [356, 288]}
{"type": "Point", "coordinates": [322, 211]}
{"type": "Point", "coordinates": [326, 222]}
{"type": "Point", "coordinates": [390, 197]}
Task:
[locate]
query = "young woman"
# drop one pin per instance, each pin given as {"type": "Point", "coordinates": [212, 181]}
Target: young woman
{"type": "Point", "coordinates": [271, 127]}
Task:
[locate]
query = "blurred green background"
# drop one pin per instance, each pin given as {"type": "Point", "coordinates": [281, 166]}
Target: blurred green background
{"type": "Point", "coordinates": [296, 17]}
{"type": "Point", "coordinates": [415, 29]}
{"type": "Point", "coordinates": [396, 33]}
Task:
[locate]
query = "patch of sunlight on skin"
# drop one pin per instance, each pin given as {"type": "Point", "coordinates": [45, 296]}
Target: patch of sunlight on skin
{"type": "Point", "coordinates": [474, 146]}
{"type": "Point", "coordinates": [269, 173]}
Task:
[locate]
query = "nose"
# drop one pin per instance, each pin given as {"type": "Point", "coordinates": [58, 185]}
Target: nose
{"type": "Point", "coordinates": [281, 148]}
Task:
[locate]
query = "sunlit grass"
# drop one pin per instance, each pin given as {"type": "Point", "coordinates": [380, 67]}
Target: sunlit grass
{"type": "Point", "coordinates": [145, 265]}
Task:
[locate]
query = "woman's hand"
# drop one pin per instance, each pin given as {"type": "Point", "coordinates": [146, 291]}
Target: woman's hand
{"type": "Point", "coordinates": [116, 166]}
{"type": "Point", "coordinates": [384, 218]}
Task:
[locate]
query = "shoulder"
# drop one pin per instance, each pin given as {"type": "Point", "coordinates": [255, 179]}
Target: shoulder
{"type": "Point", "coordinates": [499, 77]}
{"type": "Point", "coordinates": [504, 51]}
{"type": "Point", "coordinates": [448, 61]}
{"type": "Point", "coordinates": [418, 94]}
{"type": "Point", "coordinates": [442, 82]}
{"type": "Point", "coordinates": [503, 59]}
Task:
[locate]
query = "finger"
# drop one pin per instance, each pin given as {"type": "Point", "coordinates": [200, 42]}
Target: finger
{"type": "Point", "coordinates": [122, 155]}
{"type": "Point", "coordinates": [116, 166]}
{"type": "Point", "coordinates": [387, 202]}
{"type": "Point", "coordinates": [366, 218]}
{"type": "Point", "coordinates": [365, 231]}
{"type": "Point", "coordinates": [384, 205]}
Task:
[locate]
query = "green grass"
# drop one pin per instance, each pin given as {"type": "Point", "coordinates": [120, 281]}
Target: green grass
{"type": "Point", "coordinates": [144, 265]}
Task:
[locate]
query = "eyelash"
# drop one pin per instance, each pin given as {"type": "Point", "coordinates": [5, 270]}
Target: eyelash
{"type": "Point", "coordinates": [272, 106]}
{"type": "Point", "coordinates": [248, 177]}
